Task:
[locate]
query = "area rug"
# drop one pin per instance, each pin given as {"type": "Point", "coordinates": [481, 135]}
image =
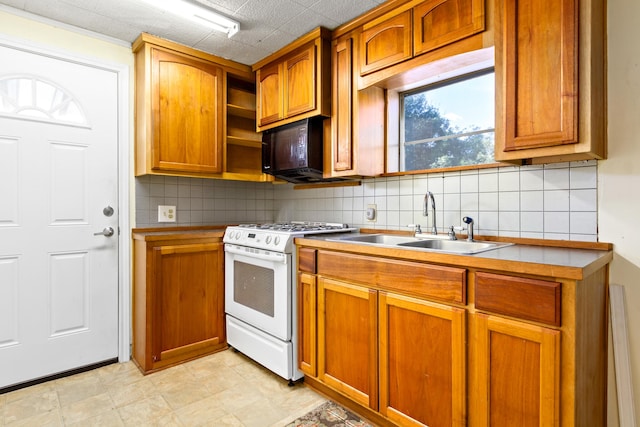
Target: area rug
{"type": "Point", "coordinates": [329, 414]}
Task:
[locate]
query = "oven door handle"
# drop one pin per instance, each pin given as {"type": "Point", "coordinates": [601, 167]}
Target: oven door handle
{"type": "Point", "coordinates": [273, 257]}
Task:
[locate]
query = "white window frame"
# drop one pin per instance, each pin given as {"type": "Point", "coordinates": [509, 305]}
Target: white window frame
{"type": "Point", "coordinates": [426, 88]}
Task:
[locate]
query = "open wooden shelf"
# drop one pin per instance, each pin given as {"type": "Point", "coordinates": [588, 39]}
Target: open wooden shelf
{"type": "Point", "coordinates": [240, 111]}
{"type": "Point", "coordinates": [232, 140]}
{"type": "Point", "coordinates": [243, 148]}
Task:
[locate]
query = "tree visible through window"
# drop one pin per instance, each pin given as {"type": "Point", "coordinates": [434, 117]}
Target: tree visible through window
{"type": "Point", "coordinates": [449, 125]}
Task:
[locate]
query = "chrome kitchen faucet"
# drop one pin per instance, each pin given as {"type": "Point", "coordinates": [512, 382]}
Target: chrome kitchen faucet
{"type": "Point", "coordinates": [425, 211]}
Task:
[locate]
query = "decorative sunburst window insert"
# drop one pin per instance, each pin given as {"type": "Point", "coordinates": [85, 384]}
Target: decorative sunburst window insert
{"type": "Point", "coordinates": [34, 98]}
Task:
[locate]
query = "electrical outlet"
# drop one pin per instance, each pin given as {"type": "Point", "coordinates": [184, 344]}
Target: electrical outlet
{"type": "Point", "coordinates": [371, 213]}
{"type": "Point", "coordinates": [166, 213]}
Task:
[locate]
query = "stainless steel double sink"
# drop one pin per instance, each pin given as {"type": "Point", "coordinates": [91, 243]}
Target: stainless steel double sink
{"type": "Point", "coordinates": [424, 242]}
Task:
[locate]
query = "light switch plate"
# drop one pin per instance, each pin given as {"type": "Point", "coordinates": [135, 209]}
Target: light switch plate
{"type": "Point", "coordinates": [166, 213]}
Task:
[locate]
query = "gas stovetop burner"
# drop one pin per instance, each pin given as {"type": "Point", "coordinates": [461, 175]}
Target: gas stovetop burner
{"type": "Point", "coordinates": [297, 226]}
{"type": "Point", "coordinates": [278, 236]}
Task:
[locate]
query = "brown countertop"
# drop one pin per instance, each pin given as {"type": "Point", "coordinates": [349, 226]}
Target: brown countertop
{"type": "Point", "coordinates": [570, 261]}
{"type": "Point", "coordinates": [177, 233]}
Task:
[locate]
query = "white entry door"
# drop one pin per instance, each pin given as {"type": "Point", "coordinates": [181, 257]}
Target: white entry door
{"type": "Point", "coordinates": [58, 187]}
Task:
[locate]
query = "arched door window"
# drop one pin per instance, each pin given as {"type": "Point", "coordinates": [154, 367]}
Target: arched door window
{"type": "Point", "coordinates": [36, 99]}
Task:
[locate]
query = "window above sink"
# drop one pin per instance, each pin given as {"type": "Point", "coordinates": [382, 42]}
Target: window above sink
{"type": "Point", "coordinates": [448, 124]}
{"type": "Point", "coordinates": [441, 117]}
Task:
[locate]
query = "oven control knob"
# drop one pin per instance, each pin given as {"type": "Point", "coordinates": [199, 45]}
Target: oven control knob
{"type": "Point", "coordinates": [277, 241]}
{"type": "Point", "coordinates": [231, 234]}
{"type": "Point", "coordinates": [238, 235]}
{"type": "Point", "coordinates": [268, 239]}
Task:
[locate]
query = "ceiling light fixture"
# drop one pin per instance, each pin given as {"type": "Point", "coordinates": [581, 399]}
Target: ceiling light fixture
{"type": "Point", "coordinates": [199, 14]}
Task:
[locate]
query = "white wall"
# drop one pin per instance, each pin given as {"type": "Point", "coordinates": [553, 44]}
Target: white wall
{"type": "Point", "coordinates": [51, 34]}
{"type": "Point", "coordinates": [619, 175]}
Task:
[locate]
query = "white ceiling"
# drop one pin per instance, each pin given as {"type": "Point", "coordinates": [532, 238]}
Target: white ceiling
{"type": "Point", "coordinates": [265, 25]}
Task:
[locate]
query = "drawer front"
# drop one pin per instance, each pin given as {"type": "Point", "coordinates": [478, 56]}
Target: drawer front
{"type": "Point", "coordinates": [421, 280]}
{"type": "Point", "coordinates": [527, 299]}
{"type": "Point", "coordinates": [307, 260]}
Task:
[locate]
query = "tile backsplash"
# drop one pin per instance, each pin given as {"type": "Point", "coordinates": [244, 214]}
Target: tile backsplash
{"type": "Point", "coordinates": [202, 201]}
{"type": "Point", "coordinates": [557, 201]}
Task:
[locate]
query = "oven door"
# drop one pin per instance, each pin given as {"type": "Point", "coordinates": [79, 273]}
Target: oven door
{"type": "Point", "coordinates": [258, 289]}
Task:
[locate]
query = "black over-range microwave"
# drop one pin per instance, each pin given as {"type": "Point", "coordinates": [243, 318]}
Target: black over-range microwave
{"type": "Point", "coordinates": [294, 152]}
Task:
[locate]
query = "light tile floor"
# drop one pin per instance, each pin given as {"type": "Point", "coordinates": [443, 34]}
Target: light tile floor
{"type": "Point", "coordinates": [223, 389]}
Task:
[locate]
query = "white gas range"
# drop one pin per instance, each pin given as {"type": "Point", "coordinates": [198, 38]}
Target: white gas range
{"type": "Point", "coordinates": [278, 237]}
{"type": "Point", "coordinates": [260, 292]}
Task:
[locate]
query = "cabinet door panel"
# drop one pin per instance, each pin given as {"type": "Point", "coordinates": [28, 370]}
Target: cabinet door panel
{"type": "Point", "coordinates": [422, 362]}
{"type": "Point", "coordinates": [518, 373]}
{"type": "Point", "coordinates": [385, 43]}
{"type": "Point", "coordinates": [270, 94]}
{"type": "Point", "coordinates": [188, 298]}
{"type": "Point", "coordinates": [537, 70]}
{"type": "Point", "coordinates": [437, 23]}
{"type": "Point", "coordinates": [187, 114]}
{"type": "Point", "coordinates": [342, 118]}
{"type": "Point", "coordinates": [307, 324]}
{"type": "Point", "coordinates": [300, 82]}
{"type": "Point", "coordinates": [357, 117]}
{"type": "Point", "coordinates": [347, 340]}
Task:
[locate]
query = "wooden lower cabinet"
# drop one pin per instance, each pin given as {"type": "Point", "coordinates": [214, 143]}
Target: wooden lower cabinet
{"type": "Point", "coordinates": [416, 343]}
{"type": "Point", "coordinates": [516, 374]}
{"type": "Point", "coordinates": [403, 357]}
{"type": "Point", "coordinates": [178, 301]}
{"type": "Point", "coordinates": [307, 324]}
{"type": "Point", "coordinates": [347, 340]}
{"type": "Point", "coordinates": [422, 362]}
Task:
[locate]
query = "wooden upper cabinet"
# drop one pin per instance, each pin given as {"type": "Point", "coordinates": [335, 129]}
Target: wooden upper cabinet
{"type": "Point", "coordinates": [294, 83]}
{"type": "Point", "coordinates": [356, 146]}
{"type": "Point", "coordinates": [286, 87]}
{"type": "Point", "coordinates": [541, 64]}
{"type": "Point", "coordinates": [415, 28]}
{"type": "Point", "coordinates": [243, 145]}
{"type": "Point", "coordinates": [195, 114]}
{"type": "Point", "coordinates": [550, 80]}
{"type": "Point", "coordinates": [385, 41]}
{"type": "Point", "coordinates": [299, 82]}
{"type": "Point", "coordinates": [269, 88]}
{"type": "Point", "coordinates": [342, 108]}
{"type": "Point", "coordinates": [186, 105]}
{"type": "Point", "coordinates": [437, 23]}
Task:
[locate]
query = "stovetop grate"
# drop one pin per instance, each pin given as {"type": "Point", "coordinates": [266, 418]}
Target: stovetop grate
{"type": "Point", "coordinates": [297, 226]}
